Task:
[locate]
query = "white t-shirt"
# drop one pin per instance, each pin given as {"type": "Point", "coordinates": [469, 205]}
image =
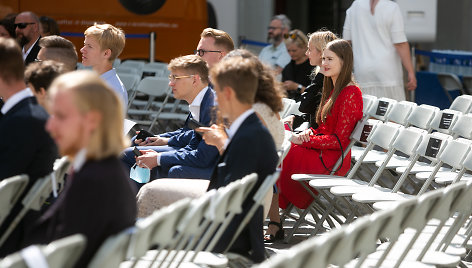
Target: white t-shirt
{"type": "Point", "coordinates": [376, 61]}
{"type": "Point", "coordinates": [111, 77]}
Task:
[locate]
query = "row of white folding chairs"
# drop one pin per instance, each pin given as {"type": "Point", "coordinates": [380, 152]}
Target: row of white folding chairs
{"type": "Point", "coordinates": [421, 232]}
{"type": "Point", "coordinates": [392, 137]}
{"type": "Point", "coordinates": [406, 113]}
{"type": "Point", "coordinates": [12, 188]}
{"type": "Point", "coordinates": [186, 231]}
{"type": "Point", "coordinates": [62, 253]}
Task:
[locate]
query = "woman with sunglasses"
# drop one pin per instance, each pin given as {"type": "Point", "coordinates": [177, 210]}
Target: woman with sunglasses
{"type": "Point", "coordinates": [296, 75]}
{"type": "Point", "coordinates": [316, 151]}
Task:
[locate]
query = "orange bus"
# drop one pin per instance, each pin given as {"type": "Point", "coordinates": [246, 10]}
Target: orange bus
{"type": "Point", "coordinates": [177, 24]}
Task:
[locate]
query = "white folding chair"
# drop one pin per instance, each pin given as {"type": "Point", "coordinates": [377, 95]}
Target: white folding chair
{"type": "Point", "coordinates": [113, 251]}
{"type": "Point", "coordinates": [39, 192]}
{"type": "Point", "coordinates": [444, 120]}
{"type": "Point", "coordinates": [380, 108]}
{"type": "Point", "coordinates": [400, 112]}
{"type": "Point", "coordinates": [422, 116]}
{"type": "Point", "coordinates": [450, 82]}
{"type": "Point", "coordinates": [130, 81]}
{"type": "Point", "coordinates": [62, 253]}
{"type": "Point", "coordinates": [287, 103]}
{"type": "Point", "coordinates": [463, 127]}
{"type": "Point", "coordinates": [462, 103]}
{"type": "Point", "coordinates": [10, 191]}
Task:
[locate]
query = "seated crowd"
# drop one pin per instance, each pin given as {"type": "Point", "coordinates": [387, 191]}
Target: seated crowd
{"type": "Point", "coordinates": [233, 129]}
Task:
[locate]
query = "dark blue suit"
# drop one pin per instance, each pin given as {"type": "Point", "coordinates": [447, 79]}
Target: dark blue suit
{"type": "Point", "coordinates": [186, 155]}
{"type": "Point", "coordinates": [25, 148]}
{"type": "Point", "coordinates": [252, 149]}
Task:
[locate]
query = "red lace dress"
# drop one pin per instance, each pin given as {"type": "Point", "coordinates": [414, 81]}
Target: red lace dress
{"type": "Point", "coordinates": [305, 158]}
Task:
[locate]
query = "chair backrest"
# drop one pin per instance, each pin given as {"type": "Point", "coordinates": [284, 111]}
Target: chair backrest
{"type": "Point", "coordinates": [422, 116]}
{"type": "Point", "coordinates": [127, 70]}
{"type": "Point", "coordinates": [152, 71]}
{"type": "Point", "coordinates": [10, 191]}
{"type": "Point", "coordinates": [130, 81]}
{"type": "Point", "coordinates": [367, 102]}
{"type": "Point", "coordinates": [432, 145]}
{"type": "Point", "coordinates": [408, 140]}
{"type": "Point", "coordinates": [154, 86]}
{"type": "Point", "coordinates": [462, 103]}
{"type": "Point", "coordinates": [400, 112]}
{"type": "Point", "coordinates": [362, 130]}
{"type": "Point", "coordinates": [137, 64]}
{"type": "Point", "coordinates": [286, 107]}
{"type": "Point", "coordinates": [384, 135]}
{"type": "Point", "coordinates": [380, 108]}
{"type": "Point", "coordinates": [463, 127]}
{"type": "Point", "coordinates": [157, 65]}
{"type": "Point", "coordinates": [444, 120]}
{"type": "Point", "coordinates": [455, 152]}
{"type": "Point", "coordinates": [450, 82]}
{"type": "Point", "coordinates": [113, 251]}
{"type": "Point", "coordinates": [62, 253]}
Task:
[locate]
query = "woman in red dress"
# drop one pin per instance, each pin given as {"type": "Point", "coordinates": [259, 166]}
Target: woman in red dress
{"type": "Point", "coordinates": [316, 151]}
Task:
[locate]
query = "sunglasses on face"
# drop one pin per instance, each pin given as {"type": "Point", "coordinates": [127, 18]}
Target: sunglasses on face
{"type": "Point", "coordinates": [23, 24]}
{"type": "Point", "coordinates": [201, 52]}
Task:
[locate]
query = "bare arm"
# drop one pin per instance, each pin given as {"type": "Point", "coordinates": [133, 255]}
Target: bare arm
{"type": "Point", "coordinates": [403, 49]}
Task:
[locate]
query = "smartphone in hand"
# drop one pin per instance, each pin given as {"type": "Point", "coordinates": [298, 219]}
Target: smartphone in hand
{"type": "Point", "coordinates": [136, 152]}
{"type": "Point", "coordinates": [193, 124]}
{"type": "Point", "coordinates": [143, 134]}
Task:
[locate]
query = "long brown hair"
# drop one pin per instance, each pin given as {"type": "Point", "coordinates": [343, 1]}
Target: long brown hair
{"type": "Point", "coordinates": [343, 50]}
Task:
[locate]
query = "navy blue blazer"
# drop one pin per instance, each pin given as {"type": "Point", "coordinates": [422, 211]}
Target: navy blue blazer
{"type": "Point", "coordinates": [25, 148]}
{"type": "Point", "coordinates": [252, 149]}
{"type": "Point", "coordinates": [193, 150]}
{"type": "Point", "coordinates": [98, 201]}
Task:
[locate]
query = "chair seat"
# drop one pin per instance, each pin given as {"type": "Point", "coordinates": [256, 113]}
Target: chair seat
{"type": "Point", "coordinates": [450, 179]}
{"type": "Point", "coordinates": [329, 183]}
{"type": "Point", "coordinates": [394, 162]}
{"type": "Point", "coordinates": [373, 196]}
{"type": "Point", "coordinates": [350, 190]}
{"type": "Point", "coordinates": [384, 205]}
{"type": "Point", "coordinates": [442, 173]}
{"type": "Point", "coordinates": [372, 157]}
{"type": "Point", "coordinates": [418, 167]}
{"type": "Point", "coordinates": [307, 177]}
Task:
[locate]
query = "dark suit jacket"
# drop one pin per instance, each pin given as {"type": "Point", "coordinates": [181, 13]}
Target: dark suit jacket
{"type": "Point", "coordinates": [25, 148]}
{"type": "Point", "coordinates": [193, 150]}
{"type": "Point", "coordinates": [33, 53]}
{"type": "Point", "coordinates": [252, 149]}
{"type": "Point", "coordinates": [98, 201]}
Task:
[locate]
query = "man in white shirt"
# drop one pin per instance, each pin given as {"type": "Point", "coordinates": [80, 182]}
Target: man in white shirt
{"type": "Point", "coordinates": [28, 35]}
{"type": "Point", "coordinates": [102, 45]}
{"type": "Point", "coordinates": [276, 53]}
{"type": "Point", "coordinates": [182, 153]}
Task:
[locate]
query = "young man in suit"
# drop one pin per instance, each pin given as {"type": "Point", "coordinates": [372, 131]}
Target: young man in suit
{"type": "Point", "coordinates": [98, 200]}
{"type": "Point", "coordinates": [249, 148]}
{"type": "Point", "coordinates": [214, 44]}
{"type": "Point", "coordinates": [28, 35]}
{"type": "Point", "coordinates": [25, 146]}
{"type": "Point", "coordinates": [182, 153]}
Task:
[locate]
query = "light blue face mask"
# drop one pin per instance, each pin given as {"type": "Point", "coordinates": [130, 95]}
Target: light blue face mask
{"type": "Point", "coordinates": [139, 174]}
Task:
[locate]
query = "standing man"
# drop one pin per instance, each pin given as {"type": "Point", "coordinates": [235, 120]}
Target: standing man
{"type": "Point", "coordinates": [214, 45]}
{"type": "Point", "coordinates": [276, 54]}
{"type": "Point", "coordinates": [375, 29]}
{"type": "Point", "coordinates": [22, 119]}
{"type": "Point", "coordinates": [28, 35]}
{"type": "Point", "coordinates": [102, 45]}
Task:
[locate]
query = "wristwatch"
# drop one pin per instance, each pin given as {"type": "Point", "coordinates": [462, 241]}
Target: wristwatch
{"type": "Point", "coordinates": [299, 88]}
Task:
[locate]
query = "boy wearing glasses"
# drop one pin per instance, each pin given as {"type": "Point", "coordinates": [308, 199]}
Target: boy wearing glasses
{"type": "Point", "coordinates": [276, 54]}
{"type": "Point", "coordinates": [181, 153]}
{"type": "Point", "coordinates": [102, 45]}
{"type": "Point", "coordinates": [28, 35]}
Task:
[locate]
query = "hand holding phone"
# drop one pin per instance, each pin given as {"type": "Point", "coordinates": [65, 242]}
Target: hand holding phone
{"type": "Point", "coordinates": [143, 134]}
{"type": "Point", "coordinates": [193, 124]}
{"type": "Point", "coordinates": [136, 152]}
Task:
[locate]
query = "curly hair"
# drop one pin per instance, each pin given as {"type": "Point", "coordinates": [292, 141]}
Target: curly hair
{"type": "Point", "coordinates": [269, 91]}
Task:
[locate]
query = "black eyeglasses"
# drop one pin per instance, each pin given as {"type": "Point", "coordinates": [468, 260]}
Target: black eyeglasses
{"type": "Point", "coordinates": [23, 25]}
{"type": "Point", "coordinates": [201, 52]}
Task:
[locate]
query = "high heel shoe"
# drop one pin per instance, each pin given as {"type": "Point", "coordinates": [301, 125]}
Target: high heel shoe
{"type": "Point", "coordinates": [279, 235]}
